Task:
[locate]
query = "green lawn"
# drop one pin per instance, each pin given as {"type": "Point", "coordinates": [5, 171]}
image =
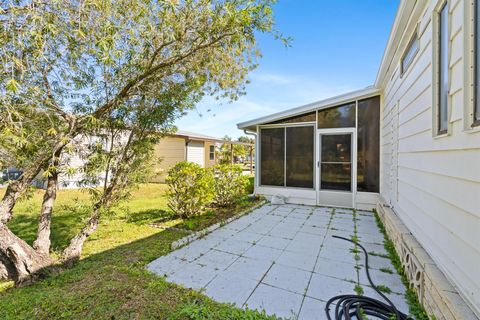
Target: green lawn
{"type": "Point", "coordinates": [110, 282]}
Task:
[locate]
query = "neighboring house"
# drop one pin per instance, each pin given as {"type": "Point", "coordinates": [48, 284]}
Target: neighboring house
{"type": "Point", "coordinates": [171, 149]}
{"type": "Point", "coordinates": [408, 146]}
{"type": "Point", "coordinates": [185, 146]}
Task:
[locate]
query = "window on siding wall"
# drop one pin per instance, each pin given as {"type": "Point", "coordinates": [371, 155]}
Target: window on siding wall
{"type": "Point", "coordinates": [443, 74]}
{"type": "Point", "coordinates": [272, 152]}
{"type": "Point", "coordinates": [299, 156]}
{"type": "Point", "coordinates": [476, 114]}
{"type": "Point", "coordinates": [212, 152]}
{"type": "Point", "coordinates": [410, 53]}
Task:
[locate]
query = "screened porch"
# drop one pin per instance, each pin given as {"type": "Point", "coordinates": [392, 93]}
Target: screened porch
{"type": "Point", "coordinates": [328, 154]}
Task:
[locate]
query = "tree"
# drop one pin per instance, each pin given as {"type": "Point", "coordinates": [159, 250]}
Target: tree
{"type": "Point", "coordinates": [225, 152]}
{"type": "Point", "coordinates": [73, 69]}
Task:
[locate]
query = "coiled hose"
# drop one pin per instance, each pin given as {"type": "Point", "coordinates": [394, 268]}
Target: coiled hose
{"type": "Point", "coordinates": [350, 306]}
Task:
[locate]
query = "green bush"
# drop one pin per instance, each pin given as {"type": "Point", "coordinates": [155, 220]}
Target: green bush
{"type": "Point", "coordinates": [190, 188]}
{"type": "Point", "coordinates": [251, 185]}
{"type": "Point", "coordinates": [230, 184]}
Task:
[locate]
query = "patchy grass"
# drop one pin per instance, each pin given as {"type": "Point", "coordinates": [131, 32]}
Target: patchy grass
{"type": "Point", "coordinates": [111, 282]}
{"type": "Point", "coordinates": [214, 215]}
{"type": "Point", "coordinates": [416, 309]}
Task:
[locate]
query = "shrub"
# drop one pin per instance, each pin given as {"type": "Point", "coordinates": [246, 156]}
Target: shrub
{"type": "Point", "coordinates": [230, 184]}
{"type": "Point", "coordinates": [190, 188]}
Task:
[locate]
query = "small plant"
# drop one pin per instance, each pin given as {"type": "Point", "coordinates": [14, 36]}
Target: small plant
{"type": "Point", "coordinates": [230, 184]}
{"type": "Point", "coordinates": [386, 270]}
{"type": "Point", "coordinates": [358, 290]}
{"type": "Point", "coordinates": [189, 189]}
{"type": "Point", "coordinates": [381, 255]}
{"type": "Point", "coordinates": [384, 289]}
{"type": "Point", "coordinates": [354, 250]}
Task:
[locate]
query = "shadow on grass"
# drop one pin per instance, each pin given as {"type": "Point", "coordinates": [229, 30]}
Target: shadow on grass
{"type": "Point", "coordinates": [149, 216]}
{"type": "Point", "coordinates": [112, 283]}
{"type": "Point", "coordinates": [115, 284]}
{"type": "Point", "coordinates": [67, 220]}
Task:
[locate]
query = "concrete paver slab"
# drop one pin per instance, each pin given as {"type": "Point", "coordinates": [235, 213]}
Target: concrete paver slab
{"type": "Point", "coordinates": [312, 309]}
{"type": "Point", "coordinates": [276, 301]}
{"type": "Point", "coordinates": [284, 260]}
{"type": "Point", "coordinates": [288, 278]}
{"type": "Point", "coordinates": [230, 289]}
{"type": "Point", "coordinates": [324, 287]}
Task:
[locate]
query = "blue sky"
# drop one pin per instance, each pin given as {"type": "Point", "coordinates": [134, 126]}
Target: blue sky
{"type": "Point", "coordinates": [337, 47]}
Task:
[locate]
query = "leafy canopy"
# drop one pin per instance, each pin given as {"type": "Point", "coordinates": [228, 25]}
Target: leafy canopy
{"type": "Point", "coordinates": [66, 66]}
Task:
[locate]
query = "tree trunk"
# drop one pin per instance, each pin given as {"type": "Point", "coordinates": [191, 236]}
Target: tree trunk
{"type": "Point", "coordinates": [7, 271]}
{"type": "Point", "coordinates": [18, 187]}
{"type": "Point", "coordinates": [42, 243]}
{"type": "Point", "coordinates": [72, 253]}
{"type": "Point", "coordinates": [21, 262]}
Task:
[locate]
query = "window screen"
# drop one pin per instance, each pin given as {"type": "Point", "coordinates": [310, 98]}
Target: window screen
{"type": "Point", "coordinates": [443, 70]}
{"type": "Point", "coordinates": [299, 156]}
{"type": "Point", "coordinates": [368, 145]}
{"type": "Point", "coordinates": [301, 118]}
{"type": "Point", "coordinates": [272, 152]}
{"type": "Point", "coordinates": [337, 117]}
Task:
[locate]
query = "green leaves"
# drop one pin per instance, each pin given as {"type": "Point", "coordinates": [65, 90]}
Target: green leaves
{"type": "Point", "coordinates": [230, 184]}
{"type": "Point", "coordinates": [12, 86]}
{"type": "Point", "coordinates": [190, 188]}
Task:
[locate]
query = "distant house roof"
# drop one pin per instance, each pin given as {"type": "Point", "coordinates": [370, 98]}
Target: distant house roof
{"type": "Point", "coordinates": [202, 137]}
{"type": "Point", "coordinates": [322, 104]}
{"type": "Point", "coordinates": [196, 136]}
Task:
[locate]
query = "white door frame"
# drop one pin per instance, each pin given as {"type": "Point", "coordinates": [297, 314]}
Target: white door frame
{"type": "Point", "coordinates": [333, 131]}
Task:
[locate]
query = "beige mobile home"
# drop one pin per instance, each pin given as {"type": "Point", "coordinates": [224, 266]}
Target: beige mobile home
{"type": "Point", "coordinates": [408, 146]}
{"type": "Point", "coordinates": [185, 146]}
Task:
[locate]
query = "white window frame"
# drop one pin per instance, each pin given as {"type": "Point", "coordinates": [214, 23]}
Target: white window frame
{"type": "Point", "coordinates": [471, 64]}
{"type": "Point", "coordinates": [436, 72]}
{"type": "Point", "coordinates": [210, 152]}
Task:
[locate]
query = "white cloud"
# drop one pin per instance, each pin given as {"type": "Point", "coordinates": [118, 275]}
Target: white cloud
{"type": "Point", "coordinates": [271, 78]}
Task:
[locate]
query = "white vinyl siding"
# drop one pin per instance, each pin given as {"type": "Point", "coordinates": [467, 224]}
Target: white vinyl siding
{"type": "Point", "coordinates": [433, 184]}
{"type": "Point", "coordinates": [196, 152]}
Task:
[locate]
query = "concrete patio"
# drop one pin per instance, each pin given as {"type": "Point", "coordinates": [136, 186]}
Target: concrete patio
{"type": "Point", "coordinates": [284, 260]}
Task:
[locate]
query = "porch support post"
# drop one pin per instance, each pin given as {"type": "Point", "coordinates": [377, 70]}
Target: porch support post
{"type": "Point", "coordinates": [251, 159]}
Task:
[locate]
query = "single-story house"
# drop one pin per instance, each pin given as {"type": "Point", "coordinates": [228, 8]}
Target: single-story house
{"type": "Point", "coordinates": [185, 146]}
{"type": "Point", "coordinates": [171, 149]}
{"type": "Point", "coordinates": [408, 146]}
{"type": "Point", "coordinates": [179, 146]}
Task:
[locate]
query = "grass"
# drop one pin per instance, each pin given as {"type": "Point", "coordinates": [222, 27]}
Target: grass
{"type": "Point", "coordinates": [110, 281]}
{"type": "Point", "coordinates": [416, 309]}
